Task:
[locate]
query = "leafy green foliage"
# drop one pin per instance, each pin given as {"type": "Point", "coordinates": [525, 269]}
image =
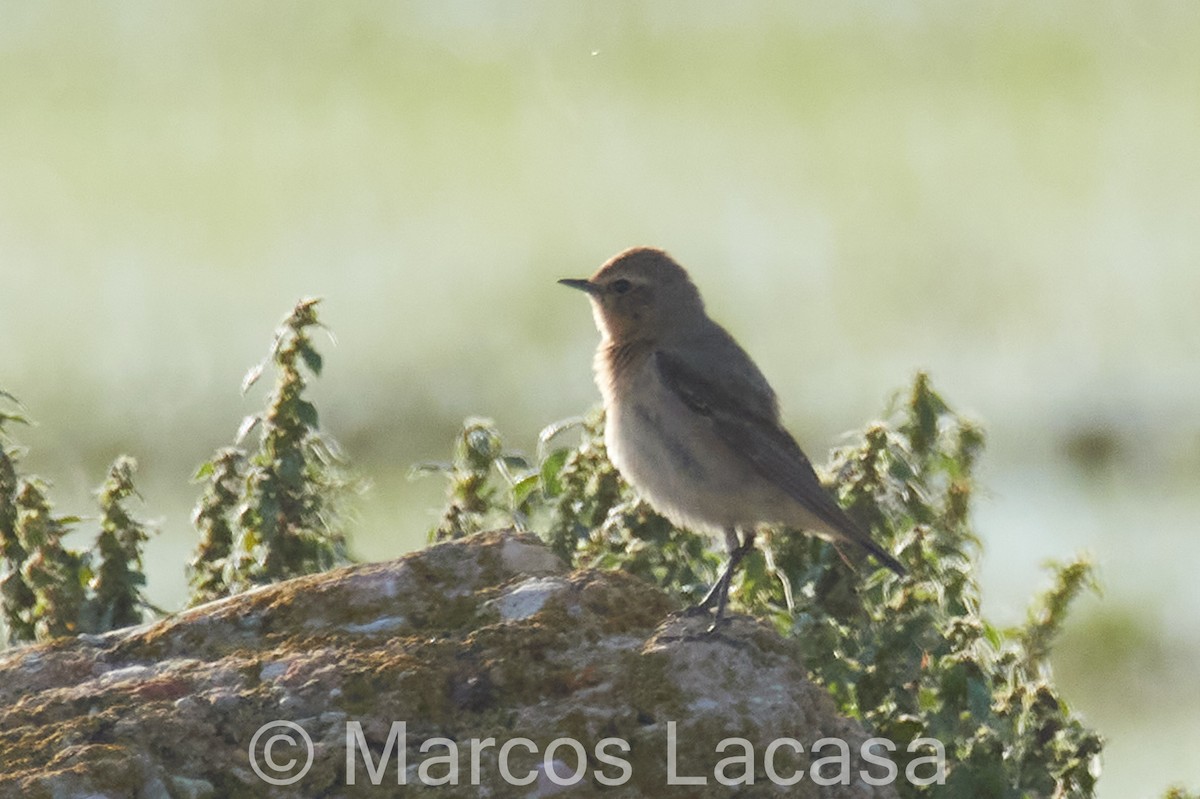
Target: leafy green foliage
{"type": "Point", "coordinates": [16, 595]}
{"type": "Point", "coordinates": [911, 657]}
{"type": "Point", "coordinates": [210, 569]}
{"type": "Point", "coordinates": [49, 590]}
{"type": "Point", "coordinates": [272, 513]}
{"type": "Point", "coordinates": [117, 599]}
{"type": "Point", "coordinates": [57, 577]}
{"type": "Point", "coordinates": [589, 513]}
{"type": "Point", "coordinates": [481, 479]}
{"type": "Point", "coordinates": [275, 512]}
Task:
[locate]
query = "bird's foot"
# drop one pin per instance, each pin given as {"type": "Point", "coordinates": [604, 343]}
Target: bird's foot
{"type": "Point", "coordinates": [718, 624]}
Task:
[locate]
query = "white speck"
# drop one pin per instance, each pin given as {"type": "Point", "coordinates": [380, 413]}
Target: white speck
{"type": "Point", "coordinates": [529, 597]}
{"type": "Point", "coordinates": [384, 624]}
{"type": "Point", "coordinates": [126, 674]}
{"type": "Point", "coordinates": [563, 773]}
{"type": "Point", "coordinates": [272, 670]}
{"type": "Point", "coordinates": [703, 705]}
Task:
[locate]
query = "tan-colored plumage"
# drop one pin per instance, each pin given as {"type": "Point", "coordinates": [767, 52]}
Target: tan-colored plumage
{"type": "Point", "coordinates": [691, 421]}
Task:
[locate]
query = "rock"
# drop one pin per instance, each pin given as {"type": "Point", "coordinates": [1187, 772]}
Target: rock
{"type": "Point", "coordinates": [482, 659]}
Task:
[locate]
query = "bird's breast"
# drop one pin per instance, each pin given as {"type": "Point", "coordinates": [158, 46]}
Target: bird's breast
{"type": "Point", "coordinates": [671, 454]}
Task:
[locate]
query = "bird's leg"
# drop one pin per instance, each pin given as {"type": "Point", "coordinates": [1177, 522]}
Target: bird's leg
{"type": "Point", "coordinates": [732, 544]}
{"type": "Point", "coordinates": [720, 590]}
{"type": "Point", "coordinates": [735, 558]}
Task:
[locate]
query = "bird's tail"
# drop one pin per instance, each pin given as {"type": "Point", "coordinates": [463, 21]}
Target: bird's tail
{"type": "Point", "coordinates": [880, 554]}
{"type": "Point", "coordinates": [843, 527]}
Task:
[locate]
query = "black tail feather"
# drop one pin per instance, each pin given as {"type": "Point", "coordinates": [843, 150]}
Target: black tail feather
{"type": "Point", "coordinates": [883, 556]}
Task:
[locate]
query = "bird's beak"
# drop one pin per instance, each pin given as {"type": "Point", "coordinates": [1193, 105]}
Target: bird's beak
{"type": "Point", "coordinates": [583, 285]}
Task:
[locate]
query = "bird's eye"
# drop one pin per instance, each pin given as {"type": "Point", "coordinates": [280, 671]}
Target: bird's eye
{"type": "Point", "coordinates": [621, 286]}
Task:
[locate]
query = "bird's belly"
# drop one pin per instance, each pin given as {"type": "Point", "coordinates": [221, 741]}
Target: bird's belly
{"type": "Point", "coordinates": [678, 464]}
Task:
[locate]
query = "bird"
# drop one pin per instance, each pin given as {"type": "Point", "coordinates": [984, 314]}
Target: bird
{"type": "Point", "coordinates": [691, 422]}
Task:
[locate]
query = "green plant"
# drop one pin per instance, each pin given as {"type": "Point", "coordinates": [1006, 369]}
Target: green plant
{"type": "Point", "coordinates": [49, 590]}
{"type": "Point", "coordinates": [911, 657]}
{"type": "Point", "coordinates": [209, 571]}
{"type": "Point", "coordinates": [16, 595]}
{"type": "Point", "coordinates": [117, 599]}
{"type": "Point", "coordinates": [486, 486]}
{"type": "Point", "coordinates": [275, 512]}
{"type": "Point", "coordinates": [56, 576]}
{"type": "Point", "coordinates": [272, 513]}
{"type": "Point", "coordinates": [574, 494]}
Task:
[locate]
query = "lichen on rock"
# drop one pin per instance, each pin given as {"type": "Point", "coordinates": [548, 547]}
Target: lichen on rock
{"type": "Point", "coordinates": [486, 637]}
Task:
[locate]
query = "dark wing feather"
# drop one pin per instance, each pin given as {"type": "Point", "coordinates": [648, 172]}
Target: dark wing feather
{"type": "Point", "coordinates": [743, 413]}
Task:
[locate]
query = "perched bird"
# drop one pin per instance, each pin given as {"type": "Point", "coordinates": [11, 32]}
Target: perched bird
{"type": "Point", "coordinates": [692, 423]}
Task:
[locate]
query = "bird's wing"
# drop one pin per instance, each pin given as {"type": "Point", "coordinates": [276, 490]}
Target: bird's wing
{"type": "Point", "coordinates": [737, 388]}
{"type": "Point", "coordinates": [742, 410]}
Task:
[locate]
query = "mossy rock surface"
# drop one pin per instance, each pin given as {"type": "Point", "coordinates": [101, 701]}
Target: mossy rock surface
{"type": "Point", "coordinates": [486, 637]}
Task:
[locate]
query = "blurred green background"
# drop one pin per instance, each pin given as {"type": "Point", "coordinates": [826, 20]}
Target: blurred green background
{"type": "Point", "coordinates": [1006, 194]}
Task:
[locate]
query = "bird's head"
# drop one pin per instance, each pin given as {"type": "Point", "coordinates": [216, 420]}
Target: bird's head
{"type": "Point", "coordinates": [642, 294]}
